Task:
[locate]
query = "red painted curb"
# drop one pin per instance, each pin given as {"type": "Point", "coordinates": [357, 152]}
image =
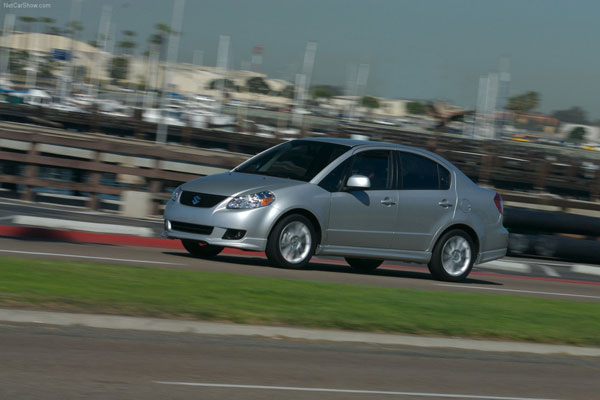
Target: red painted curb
{"type": "Point", "coordinates": [87, 237]}
{"type": "Point", "coordinates": [24, 232]}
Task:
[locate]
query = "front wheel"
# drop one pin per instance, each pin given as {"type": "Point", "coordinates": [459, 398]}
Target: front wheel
{"type": "Point", "coordinates": [453, 256]}
{"type": "Point", "coordinates": [363, 265]}
{"type": "Point", "coordinates": [201, 250]}
{"type": "Point", "coordinates": [291, 243]}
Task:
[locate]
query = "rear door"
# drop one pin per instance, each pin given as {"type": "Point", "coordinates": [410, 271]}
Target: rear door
{"type": "Point", "coordinates": [426, 201]}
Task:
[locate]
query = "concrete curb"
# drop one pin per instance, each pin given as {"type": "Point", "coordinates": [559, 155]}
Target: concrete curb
{"type": "Point", "coordinates": [53, 223]}
{"type": "Point", "coordinates": [274, 332]}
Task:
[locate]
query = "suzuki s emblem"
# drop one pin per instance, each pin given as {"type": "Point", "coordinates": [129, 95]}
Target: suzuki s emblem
{"type": "Point", "coordinates": [196, 199]}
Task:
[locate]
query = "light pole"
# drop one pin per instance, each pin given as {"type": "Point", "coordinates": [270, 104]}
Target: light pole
{"type": "Point", "coordinates": [173, 47]}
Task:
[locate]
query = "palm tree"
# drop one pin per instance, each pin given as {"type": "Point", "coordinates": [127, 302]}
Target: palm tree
{"type": "Point", "coordinates": [158, 38]}
{"type": "Point", "coordinates": [73, 28]}
{"type": "Point", "coordinates": [28, 21]}
{"type": "Point", "coordinates": [128, 44]}
{"type": "Point", "coordinates": [55, 30]}
{"type": "Point", "coordinates": [46, 21]}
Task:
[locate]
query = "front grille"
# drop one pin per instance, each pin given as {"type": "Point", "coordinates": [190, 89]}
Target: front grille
{"type": "Point", "coordinates": [191, 228]}
{"type": "Point", "coordinates": [203, 200]}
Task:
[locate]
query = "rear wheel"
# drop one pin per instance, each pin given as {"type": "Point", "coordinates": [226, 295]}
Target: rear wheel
{"type": "Point", "coordinates": [292, 242]}
{"type": "Point", "coordinates": [363, 265]}
{"type": "Point", "coordinates": [199, 249]}
{"type": "Point", "coordinates": [453, 256]}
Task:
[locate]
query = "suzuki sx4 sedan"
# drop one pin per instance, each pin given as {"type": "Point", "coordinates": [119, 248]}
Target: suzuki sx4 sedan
{"type": "Point", "coordinates": [364, 201]}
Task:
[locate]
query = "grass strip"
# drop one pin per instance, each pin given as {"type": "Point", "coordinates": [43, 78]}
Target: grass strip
{"type": "Point", "coordinates": [127, 290]}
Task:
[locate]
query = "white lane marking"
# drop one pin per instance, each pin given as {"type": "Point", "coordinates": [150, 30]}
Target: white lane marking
{"type": "Point", "coordinates": [309, 389]}
{"type": "Point", "coordinates": [55, 223]}
{"type": "Point", "coordinates": [548, 270]}
{"type": "Point", "coordinates": [586, 269]}
{"type": "Point", "coordinates": [507, 266]}
{"type": "Point", "coordinates": [519, 291]}
{"type": "Point", "coordinates": [37, 253]}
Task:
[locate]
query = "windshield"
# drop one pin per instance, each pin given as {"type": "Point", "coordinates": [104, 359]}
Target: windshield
{"type": "Point", "coordinates": [299, 159]}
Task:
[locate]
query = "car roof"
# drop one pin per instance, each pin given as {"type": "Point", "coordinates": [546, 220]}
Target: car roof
{"type": "Point", "coordinates": [366, 144]}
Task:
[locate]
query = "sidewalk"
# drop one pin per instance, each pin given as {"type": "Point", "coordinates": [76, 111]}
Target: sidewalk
{"type": "Point", "coordinates": [275, 332]}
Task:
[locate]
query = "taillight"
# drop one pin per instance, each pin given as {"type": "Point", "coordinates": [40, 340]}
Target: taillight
{"type": "Point", "coordinates": [498, 203]}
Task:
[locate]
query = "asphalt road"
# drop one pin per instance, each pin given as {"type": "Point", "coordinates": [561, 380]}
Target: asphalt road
{"type": "Point", "coordinates": [49, 362]}
{"type": "Point", "coordinates": [530, 267]}
{"type": "Point", "coordinates": [326, 270]}
{"type": "Point", "coordinates": [71, 362]}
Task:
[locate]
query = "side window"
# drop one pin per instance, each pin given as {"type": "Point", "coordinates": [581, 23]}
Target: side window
{"type": "Point", "coordinates": [421, 173]}
{"type": "Point", "coordinates": [333, 182]}
{"type": "Point", "coordinates": [444, 175]}
{"type": "Point", "coordinates": [374, 164]}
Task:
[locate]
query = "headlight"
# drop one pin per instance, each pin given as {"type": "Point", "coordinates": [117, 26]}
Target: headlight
{"type": "Point", "coordinates": [176, 193]}
{"type": "Point", "coordinates": [254, 200]}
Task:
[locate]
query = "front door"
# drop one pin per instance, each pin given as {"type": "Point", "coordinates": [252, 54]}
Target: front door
{"type": "Point", "coordinates": [365, 218]}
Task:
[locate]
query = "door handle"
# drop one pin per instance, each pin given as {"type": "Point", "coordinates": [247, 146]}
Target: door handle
{"type": "Point", "coordinates": [388, 202]}
{"type": "Point", "coordinates": [444, 203]}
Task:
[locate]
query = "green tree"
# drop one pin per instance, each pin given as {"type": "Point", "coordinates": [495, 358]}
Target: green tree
{"type": "Point", "coordinates": [18, 62]}
{"type": "Point", "coordinates": [320, 93]}
{"type": "Point", "coordinates": [80, 73]}
{"type": "Point", "coordinates": [577, 134]}
{"type": "Point", "coordinates": [324, 91]}
{"type": "Point", "coordinates": [370, 102]}
{"type": "Point", "coordinates": [129, 43]}
{"type": "Point", "coordinates": [54, 30]}
{"type": "Point", "coordinates": [47, 68]}
{"type": "Point", "coordinates": [257, 85]}
{"type": "Point", "coordinates": [158, 38]}
{"type": "Point", "coordinates": [416, 107]}
{"type": "Point", "coordinates": [28, 21]}
{"type": "Point", "coordinates": [73, 28]}
{"type": "Point", "coordinates": [119, 68]}
{"type": "Point", "coordinates": [227, 84]}
{"type": "Point", "coordinates": [574, 115]}
{"type": "Point", "coordinates": [524, 102]}
{"type": "Point", "coordinates": [46, 21]}
{"type": "Point", "coordinates": [288, 92]}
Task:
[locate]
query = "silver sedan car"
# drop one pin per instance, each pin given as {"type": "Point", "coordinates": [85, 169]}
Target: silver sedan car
{"type": "Point", "coordinates": [365, 201]}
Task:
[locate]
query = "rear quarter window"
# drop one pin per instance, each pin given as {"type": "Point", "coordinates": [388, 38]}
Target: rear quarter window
{"type": "Point", "coordinates": [421, 173]}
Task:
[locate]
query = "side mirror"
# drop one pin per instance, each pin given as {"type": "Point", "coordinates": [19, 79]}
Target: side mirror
{"type": "Point", "coordinates": [358, 182]}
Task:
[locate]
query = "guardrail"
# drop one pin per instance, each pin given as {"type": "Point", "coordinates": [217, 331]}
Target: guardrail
{"type": "Point", "coordinates": [143, 166]}
{"type": "Point", "coordinates": [528, 175]}
{"type": "Point", "coordinates": [126, 167]}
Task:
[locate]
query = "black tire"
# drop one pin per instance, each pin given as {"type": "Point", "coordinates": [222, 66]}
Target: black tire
{"type": "Point", "coordinates": [298, 233]}
{"type": "Point", "coordinates": [201, 250]}
{"type": "Point", "coordinates": [363, 265]}
{"type": "Point", "coordinates": [453, 256]}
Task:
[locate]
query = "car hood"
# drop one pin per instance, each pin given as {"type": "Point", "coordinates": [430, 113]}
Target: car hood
{"type": "Point", "coordinates": [236, 183]}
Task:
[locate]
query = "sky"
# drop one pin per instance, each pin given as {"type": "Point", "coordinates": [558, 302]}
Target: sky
{"type": "Point", "coordinates": [415, 49]}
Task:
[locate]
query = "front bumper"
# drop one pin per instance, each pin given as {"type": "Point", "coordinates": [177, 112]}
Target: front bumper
{"type": "Point", "coordinates": [256, 222]}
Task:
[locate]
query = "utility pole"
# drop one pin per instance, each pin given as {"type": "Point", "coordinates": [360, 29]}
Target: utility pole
{"type": "Point", "coordinates": [101, 43]}
{"type": "Point", "coordinates": [173, 48]}
{"type": "Point", "coordinates": [222, 59]}
{"type": "Point", "coordinates": [9, 22]}
{"type": "Point", "coordinates": [303, 81]}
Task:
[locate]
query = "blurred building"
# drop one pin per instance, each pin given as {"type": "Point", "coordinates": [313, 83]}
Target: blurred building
{"type": "Point", "coordinates": [45, 46]}
{"type": "Point", "coordinates": [591, 134]}
{"type": "Point", "coordinates": [184, 78]}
